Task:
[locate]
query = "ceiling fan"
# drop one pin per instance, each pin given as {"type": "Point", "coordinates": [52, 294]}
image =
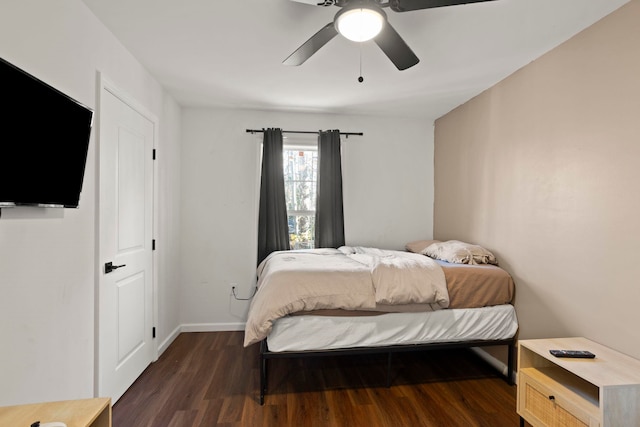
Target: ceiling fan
{"type": "Point", "coordinates": [362, 20]}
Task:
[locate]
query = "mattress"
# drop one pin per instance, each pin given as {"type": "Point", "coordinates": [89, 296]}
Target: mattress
{"type": "Point", "coordinates": [313, 332]}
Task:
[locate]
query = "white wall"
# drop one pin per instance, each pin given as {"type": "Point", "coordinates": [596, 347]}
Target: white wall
{"type": "Point", "coordinates": [168, 166]}
{"type": "Point", "coordinates": [388, 197]}
{"type": "Point", "coordinates": [47, 265]}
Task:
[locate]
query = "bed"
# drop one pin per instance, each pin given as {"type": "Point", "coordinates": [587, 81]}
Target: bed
{"type": "Point", "coordinates": [360, 300]}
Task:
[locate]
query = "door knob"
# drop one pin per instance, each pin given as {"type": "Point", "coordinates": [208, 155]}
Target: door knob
{"type": "Point", "coordinates": [109, 267]}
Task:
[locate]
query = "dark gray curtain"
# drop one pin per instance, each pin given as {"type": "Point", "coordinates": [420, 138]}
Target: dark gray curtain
{"type": "Point", "coordinates": [329, 211]}
{"type": "Point", "coordinates": [273, 230]}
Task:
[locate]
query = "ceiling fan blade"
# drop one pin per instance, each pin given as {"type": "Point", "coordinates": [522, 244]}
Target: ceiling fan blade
{"type": "Point", "coordinates": [312, 45]}
{"type": "Point", "coordinates": [407, 5]}
{"type": "Point", "coordinates": [395, 48]}
{"type": "Point", "coordinates": [316, 2]}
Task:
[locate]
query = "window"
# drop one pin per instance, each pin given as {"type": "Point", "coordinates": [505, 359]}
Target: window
{"type": "Point", "coordinates": [300, 183]}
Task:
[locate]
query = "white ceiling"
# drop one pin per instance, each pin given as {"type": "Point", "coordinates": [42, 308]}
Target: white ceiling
{"type": "Point", "coordinates": [229, 53]}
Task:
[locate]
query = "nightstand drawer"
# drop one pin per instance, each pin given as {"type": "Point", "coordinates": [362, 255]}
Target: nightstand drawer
{"type": "Point", "coordinates": [544, 407]}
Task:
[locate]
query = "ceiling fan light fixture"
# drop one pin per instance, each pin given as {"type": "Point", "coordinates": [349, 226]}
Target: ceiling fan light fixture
{"type": "Point", "coordinates": [360, 24]}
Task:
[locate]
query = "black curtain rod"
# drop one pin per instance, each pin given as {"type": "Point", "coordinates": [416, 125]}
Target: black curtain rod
{"type": "Point", "coordinates": [303, 131]}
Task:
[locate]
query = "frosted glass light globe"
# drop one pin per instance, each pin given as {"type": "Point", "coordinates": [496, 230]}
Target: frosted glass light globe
{"type": "Point", "coordinates": [360, 24]}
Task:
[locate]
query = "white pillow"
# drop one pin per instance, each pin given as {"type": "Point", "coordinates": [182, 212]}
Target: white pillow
{"type": "Point", "coordinates": [458, 252]}
{"type": "Point", "coordinates": [418, 246]}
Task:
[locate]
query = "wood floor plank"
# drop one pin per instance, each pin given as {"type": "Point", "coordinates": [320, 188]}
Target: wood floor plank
{"type": "Point", "coordinates": [210, 379]}
{"type": "Point", "coordinates": [209, 413]}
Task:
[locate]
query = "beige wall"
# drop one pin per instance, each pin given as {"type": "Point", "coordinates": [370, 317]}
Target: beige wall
{"type": "Point", "coordinates": [544, 170]}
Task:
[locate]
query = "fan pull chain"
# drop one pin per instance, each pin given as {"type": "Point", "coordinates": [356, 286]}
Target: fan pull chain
{"type": "Point", "coordinates": [360, 79]}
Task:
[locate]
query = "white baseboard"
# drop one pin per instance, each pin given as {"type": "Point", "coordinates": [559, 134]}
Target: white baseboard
{"type": "Point", "coordinates": [198, 327]}
{"type": "Point", "coordinates": [167, 342]}
{"type": "Point", "coordinates": [497, 364]}
{"type": "Point", "coordinates": [212, 327]}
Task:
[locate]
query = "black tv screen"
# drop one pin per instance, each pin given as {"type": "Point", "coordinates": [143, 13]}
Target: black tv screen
{"type": "Point", "coordinates": [44, 138]}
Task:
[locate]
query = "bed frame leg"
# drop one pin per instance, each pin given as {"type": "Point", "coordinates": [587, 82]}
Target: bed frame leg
{"type": "Point", "coordinates": [263, 373]}
{"type": "Point", "coordinates": [511, 346]}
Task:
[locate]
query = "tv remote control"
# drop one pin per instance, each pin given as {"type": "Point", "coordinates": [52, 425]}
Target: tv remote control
{"type": "Point", "coordinates": [580, 354]}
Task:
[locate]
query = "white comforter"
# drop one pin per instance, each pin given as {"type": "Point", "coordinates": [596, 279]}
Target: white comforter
{"type": "Point", "coordinates": [402, 277]}
{"type": "Point", "coordinates": [350, 278]}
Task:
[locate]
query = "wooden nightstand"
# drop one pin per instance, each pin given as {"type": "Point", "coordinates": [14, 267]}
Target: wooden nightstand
{"type": "Point", "coordinates": [74, 413]}
{"type": "Point", "coordinates": [600, 392]}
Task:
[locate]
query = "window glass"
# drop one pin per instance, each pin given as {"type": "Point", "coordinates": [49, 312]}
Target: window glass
{"type": "Point", "coordinates": [300, 183]}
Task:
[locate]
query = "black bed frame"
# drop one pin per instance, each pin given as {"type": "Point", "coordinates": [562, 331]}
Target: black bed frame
{"type": "Point", "coordinates": [266, 354]}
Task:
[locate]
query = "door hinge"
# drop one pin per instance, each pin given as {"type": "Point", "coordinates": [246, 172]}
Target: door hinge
{"type": "Point", "coordinates": [153, 245]}
{"type": "Point", "coordinates": [153, 332]}
{"type": "Point", "coordinates": [154, 154]}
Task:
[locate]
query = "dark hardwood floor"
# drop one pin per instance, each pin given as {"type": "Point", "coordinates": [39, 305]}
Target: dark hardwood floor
{"type": "Point", "coordinates": [210, 379]}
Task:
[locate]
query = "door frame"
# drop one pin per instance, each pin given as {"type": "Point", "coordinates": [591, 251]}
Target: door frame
{"type": "Point", "coordinates": [105, 84]}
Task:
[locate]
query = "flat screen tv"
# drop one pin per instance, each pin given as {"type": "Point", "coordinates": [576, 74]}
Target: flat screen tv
{"type": "Point", "coordinates": [44, 138]}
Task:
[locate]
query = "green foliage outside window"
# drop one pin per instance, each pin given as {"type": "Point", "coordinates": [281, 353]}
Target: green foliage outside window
{"type": "Point", "coordinates": [300, 176]}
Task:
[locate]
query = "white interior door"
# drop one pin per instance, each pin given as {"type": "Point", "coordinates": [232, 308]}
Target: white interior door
{"type": "Point", "coordinates": [126, 310]}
